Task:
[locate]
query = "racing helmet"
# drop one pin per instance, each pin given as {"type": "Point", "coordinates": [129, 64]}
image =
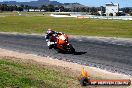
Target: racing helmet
{"type": "Point", "coordinates": [49, 31]}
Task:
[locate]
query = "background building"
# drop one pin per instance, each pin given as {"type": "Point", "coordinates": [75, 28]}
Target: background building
{"type": "Point", "coordinates": [112, 9]}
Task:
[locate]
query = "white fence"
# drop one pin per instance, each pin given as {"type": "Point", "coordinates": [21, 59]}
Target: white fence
{"type": "Point", "coordinates": [112, 17]}
{"type": "Point", "coordinates": [94, 17]}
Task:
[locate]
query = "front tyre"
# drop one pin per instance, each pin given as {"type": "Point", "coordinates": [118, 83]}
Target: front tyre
{"type": "Point", "coordinates": [70, 49]}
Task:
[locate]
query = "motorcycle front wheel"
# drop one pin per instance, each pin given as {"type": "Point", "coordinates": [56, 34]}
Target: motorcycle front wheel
{"type": "Point", "coordinates": [70, 49]}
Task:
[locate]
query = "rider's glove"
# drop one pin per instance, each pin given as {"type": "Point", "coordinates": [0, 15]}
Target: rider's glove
{"type": "Point", "coordinates": [47, 40]}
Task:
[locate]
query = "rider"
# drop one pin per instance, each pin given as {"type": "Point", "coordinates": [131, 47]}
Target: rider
{"type": "Point", "coordinates": [48, 36]}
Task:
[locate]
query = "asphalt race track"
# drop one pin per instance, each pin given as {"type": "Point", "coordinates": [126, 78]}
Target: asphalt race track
{"type": "Point", "coordinates": [112, 57]}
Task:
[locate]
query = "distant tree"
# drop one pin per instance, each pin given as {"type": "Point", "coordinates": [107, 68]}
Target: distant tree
{"type": "Point", "coordinates": [19, 9]}
{"type": "Point", "coordinates": [51, 8]}
{"type": "Point", "coordinates": [126, 10]}
{"type": "Point", "coordinates": [56, 8]}
{"type": "Point", "coordinates": [93, 9]}
{"type": "Point", "coordinates": [82, 9]}
{"type": "Point", "coordinates": [15, 8]}
{"type": "Point", "coordinates": [22, 6]}
{"type": "Point", "coordinates": [88, 9]}
{"type": "Point", "coordinates": [67, 10]}
{"type": "Point", "coordinates": [3, 7]}
{"type": "Point", "coordinates": [27, 7]}
{"type": "Point", "coordinates": [44, 7]}
{"type": "Point", "coordinates": [61, 8]}
{"type": "Point", "coordinates": [111, 14]}
{"type": "Point", "coordinates": [101, 8]}
{"type": "Point", "coordinates": [118, 14]}
{"type": "Point", "coordinates": [0, 8]}
{"type": "Point", "coordinates": [77, 9]}
{"type": "Point", "coordinates": [10, 8]}
{"type": "Point", "coordinates": [130, 14]}
{"type": "Point", "coordinates": [34, 7]}
{"type": "Point", "coordinates": [74, 9]}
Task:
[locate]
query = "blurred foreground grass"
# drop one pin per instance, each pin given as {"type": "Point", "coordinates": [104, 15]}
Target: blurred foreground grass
{"type": "Point", "coordinates": [16, 74]}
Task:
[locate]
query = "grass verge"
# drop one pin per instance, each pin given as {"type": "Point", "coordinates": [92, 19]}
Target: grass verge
{"type": "Point", "coordinates": [18, 74]}
{"type": "Point", "coordinates": [72, 26]}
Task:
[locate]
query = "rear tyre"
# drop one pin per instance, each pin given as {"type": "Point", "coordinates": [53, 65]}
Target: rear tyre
{"type": "Point", "coordinates": [59, 51]}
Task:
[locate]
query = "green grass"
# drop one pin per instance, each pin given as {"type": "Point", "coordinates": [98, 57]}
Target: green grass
{"type": "Point", "coordinates": [72, 26]}
{"type": "Point", "coordinates": [15, 74]}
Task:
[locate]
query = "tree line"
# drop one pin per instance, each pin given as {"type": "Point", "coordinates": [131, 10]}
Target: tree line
{"type": "Point", "coordinates": [49, 8]}
{"type": "Point", "coordinates": [52, 8]}
{"type": "Point", "coordinates": [5, 7]}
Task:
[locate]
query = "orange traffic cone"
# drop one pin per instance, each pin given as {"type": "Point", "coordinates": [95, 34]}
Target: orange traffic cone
{"type": "Point", "coordinates": [85, 73]}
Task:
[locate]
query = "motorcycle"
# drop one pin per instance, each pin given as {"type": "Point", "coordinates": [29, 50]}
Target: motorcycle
{"type": "Point", "coordinates": [61, 44]}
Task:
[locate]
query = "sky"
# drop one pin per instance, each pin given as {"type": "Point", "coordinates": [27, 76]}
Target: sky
{"type": "Point", "coordinates": [122, 3]}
